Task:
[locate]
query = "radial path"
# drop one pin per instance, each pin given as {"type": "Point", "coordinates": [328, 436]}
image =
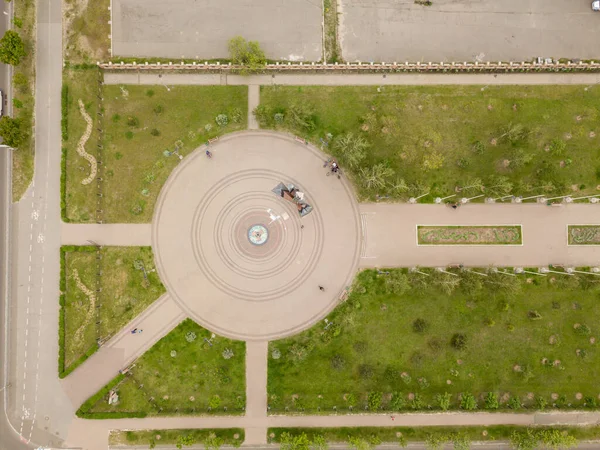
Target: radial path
{"type": "Point", "coordinates": [238, 258]}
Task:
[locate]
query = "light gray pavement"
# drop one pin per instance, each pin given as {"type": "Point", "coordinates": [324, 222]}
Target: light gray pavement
{"type": "Point", "coordinates": [257, 353]}
{"type": "Point", "coordinates": [463, 30]}
{"type": "Point", "coordinates": [335, 79]}
{"type": "Point", "coordinates": [42, 411]}
{"type": "Point", "coordinates": [390, 238]}
{"type": "Point", "coordinates": [253, 102]}
{"type": "Point", "coordinates": [122, 350]}
{"type": "Point", "coordinates": [289, 30]}
{"type": "Point", "coordinates": [119, 234]}
{"type": "Point", "coordinates": [202, 246]}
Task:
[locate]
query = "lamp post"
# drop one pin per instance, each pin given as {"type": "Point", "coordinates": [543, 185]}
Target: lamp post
{"type": "Point", "coordinates": [439, 200]}
{"type": "Point", "coordinates": [521, 199]}
{"type": "Point", "coordinates": [465, 200]}
{"type": "Point", "coordinates": [415, 199]}
{"type": "Point", "coordinates": [547, 270]}
{"type": "Point", "coordinates": [520, 270]}
{"type": "Point", "coordinates": [443, 270]}
{"type": "Point", "coordinates": [416, 270]}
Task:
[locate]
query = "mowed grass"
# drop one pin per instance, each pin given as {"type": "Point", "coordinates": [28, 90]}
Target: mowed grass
{"type": "Point", "coordinates": [521, 140]}
{"type": "Point", "coordinates": [125, 294]}
{"type": "Point", "coordinates": [533, 338]}
{"type": "Point", "coordinates": [141, 122]}
{"type": "Point", "coordinates": [80, 200]}
{"type": "Point", "coordinates": [184, 374]}
{"type": "Point", "coordinates": [224, 436]}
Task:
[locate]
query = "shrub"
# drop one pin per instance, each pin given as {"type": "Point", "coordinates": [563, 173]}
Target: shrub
{"type": "Point", "coordinates": [190, 336]}
{"type": "Point", "coordinates": [397, 403]}
{"type": "Point", "coordinates": [129, 135]}
{"type": "Point", "coordinates": [227, 353]}
{"type": "Point", "coordinates": [12, 48]}
{"type": "Point", "coordinates": [222, 120]}
{"type": "Point", "coordinates": [365, 371]}
{"type": "Point", "coordinates": [397, 282]}
{"type": "Point", "coordinates": [300, 116]}
{"type": "Point", "coordinates": [541, 403]}
{"type": "Point", "coordinates": [115, 118]}
{"type": "Point", "coordinates": [158, 109]}
{"type": "Point", "coordinates": [443, 401]}
{"type": "Point", "coordinates": [149, 92]}
{"type": "Point", "coordinates": [276, 353]}
{"type": "Point", "coordinates": [351, 399]}
{"type": "Point", "coordinates": [133, 121]}
{"type": "Point", "coordinates": [491, 401]}
{"type": "Point", "coordinates": [405, 377]}
{"type": "Point", "coordinates": [514, 403]}
{"type": "Point", "coordinates": [435, 441]}
{"type": "Point", "coordinates": [155, 132]}
{"type": "Point", "coordinates": [458, 341]}
{"type": "Point", "coordinates": [64, 106]}
{"type": "Point", "coordinates": [417, 402]}
{"type": "Point", "coordinates": [557, 146]}
{"type": "Point", "coordinates": [18, 22]}
{"type": "Point", "coordinates": [435, 344]}
{"type": "Point", "coordinates": [422, 382]}
{"type": "Point", "coordinates": [478, 147]}
{"type": "Point", "coordinates": [420, 326]}
{"type": "Point", "coordinates": [534, 315]}
{"type": "Point", "coordinates": [489, 322]}
{"type": "Point", "coordinates": [246, 53]}
{"type": "Point", "coordinates": [278, 117]}
{"type": "Point", "coordinates": [338, 362]}
{"type": "Point", "coordinates": [582, 329]}
{"type": "Point", "coordinates": [468, 402]}
{"type": "Point", "coordinates": [298, 353]}
{"type": "Point", "coordinates": [374, 400]}
{"type": "Point", "coordinates": [185, 440]}
{"type": "Point", "coordinates": [214, 402]}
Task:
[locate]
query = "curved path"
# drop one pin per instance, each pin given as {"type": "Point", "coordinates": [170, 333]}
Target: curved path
{"type": "Point", "coordinates": [238, 258]}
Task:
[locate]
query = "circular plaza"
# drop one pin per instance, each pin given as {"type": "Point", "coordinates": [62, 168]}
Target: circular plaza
{"type": "Point", "coordinates": [244, 240]}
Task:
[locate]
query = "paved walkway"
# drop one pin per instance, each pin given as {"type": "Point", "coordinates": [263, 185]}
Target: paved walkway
{"type": "Point", "coordinates": [122, 349]}
{"type": "Point", "coordinates": [119, 234]}
{"type": "Point", "coordinates": [253, 102]}
{"type": "Point", "coordinates": [146, 78]}
{"type": "Point", "coordinates": [257, 354]}
{"type": "Point", "coordinates": [390, 235]}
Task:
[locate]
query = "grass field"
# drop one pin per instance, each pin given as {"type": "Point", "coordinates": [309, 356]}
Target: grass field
{"type": "Point", "coordinates": [184, 374]}
{"type": "Point", "coordinates": [87, 25]}
{"type": "Point", "coordinates": [125, 294]}
{"type": "Point", "coordinates": [140, 124]}
{"type": "Point", "coordinates": [23, 99]}
{"type": "Point", "coordinates": [412, 341]}
{"type": "Point", "coordinates": [80, 200]}
{"type": "Point", "coordinates": [371, 436]}
{"type": "Point", "coordinates": [411, 140]}
{"type": "Point", "coordinates": [224, 436]}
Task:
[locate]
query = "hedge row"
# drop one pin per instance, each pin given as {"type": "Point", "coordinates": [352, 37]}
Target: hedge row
{"type": "Point", "coordinates": [64, 120]}
{"type": "Point", "coordinates": [63, 185]}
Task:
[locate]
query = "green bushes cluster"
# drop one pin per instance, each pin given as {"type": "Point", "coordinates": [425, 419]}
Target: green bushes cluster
{"type": "Point", "coordinates": [64, 105]}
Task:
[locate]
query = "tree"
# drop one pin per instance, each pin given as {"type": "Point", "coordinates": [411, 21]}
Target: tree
{"type": "Point", "coordinates": [556, 439]}
{"type": "Point", "coordinates": [185, 440]}
{"type": "Point", "coordinates": [212, 442]}
{"type": "Point", "coordinates": [523, 440]}
{"type": "Point", "coordinates": [397, 282]}
{"type": "Point", "coordinates": [11, 132]}
{"type": "Point", "coordinates": [246, 53]}
{"type": "Point", "coordinates": [319, 443]}
{"type": "Point", "coordinates": [12, 49]}
{"type": "Point", "coordinates": [353, 148]}
{"type": "Point", "coordinates": [291, 442]}
{"type": "Point", "coordinates": [398, 186]}
{"type": "Point", "coordinates": [473, 184]}
{"type": "Point", "coordinates": [375, 176]}
{"type": "Point", "coordinates": [499, 186]}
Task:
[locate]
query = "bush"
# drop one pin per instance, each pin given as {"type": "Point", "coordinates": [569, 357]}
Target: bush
{"type": "Point", "coordinates": [246, 53]}
{"type": "Point", "coordinates": [18, 22]}
{"type": "Point", "coordinates": [479, 147]}
{"type": "Point", "coordinates": [300, 116]}
{"type": "Point", "coordinates": [129, 135]}
{"type": "Point", "coordinates": [115, 118]}
{"type": "Point", "coordinates": [541, 403]}
{"type": "Point", "coordinates": [491, 401]}
{"type": "Point", "coordinates": [397, 282]}
{"type": "Point", "coordinates": [397, 403]}
{"type": "Point", "coordinates": [155, 132]}
{"type": "Point", "coordinates": [443, 401]}
{"type": "Point", "coordinates": [133, 121]}
{"type": "Point", "coordinates": [222, 120]}
{"type": "Point", "coordinates": [420, 326]}
{"type": "Point", "coordinates": [582, 329]}
{"type": "Point", "coordinates": [374, 400]}
{"type": "Point", "coordinates": [515, 403]}
{"type": "Point", "coordinates": [158, 109]}
{"type": "Point", "coordinates": [417, 402]}
{"type": "Point", "coordinates": [365, 371]}
{"type": "Point", "coordinates": [149, 92]}
{"type": "Point", "coordinates": [338, 362]}
{"type": "Point", "coordinates": [534, 315]}
{"type": "Point", "coordinates": [17, 103]}
{"type": "Point", "coordinates": [468, 402]}
{"type": "Point", "coordinates": [458, 341]}
{"type": "Point", "coordinates": [214, 402]}
{"type": "Point", "coordinates": [12, 48]}
{"type": "Point", "coordinates": [353, 149]}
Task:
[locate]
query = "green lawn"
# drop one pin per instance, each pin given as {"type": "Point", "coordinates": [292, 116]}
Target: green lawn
{"type": "Point", "coordinates": [125, 294]}
{"type": "Point", "coordinates": [528, 340]}
{"type": "Point", "coordinates": [23, 99]}
{"type": "Point", "coordinates": [495, 141]}
{"type": "Point", "coordinates": [80, 200]}
{"type": "Point", "coordinates": [371, 436]}
{"type": "Point", "coordinates": [183, 374]}
{"type": "Point", "coordinates": [223, 436]}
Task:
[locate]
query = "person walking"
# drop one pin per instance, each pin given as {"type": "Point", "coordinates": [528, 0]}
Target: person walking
{"type": "Point", "coordinates": [321, 288]}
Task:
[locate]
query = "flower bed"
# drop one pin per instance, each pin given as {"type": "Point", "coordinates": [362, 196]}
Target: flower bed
{"type": "Point", "coordinates": [584, 234]}
{"type": "Point", "coordinates": [469, 235]}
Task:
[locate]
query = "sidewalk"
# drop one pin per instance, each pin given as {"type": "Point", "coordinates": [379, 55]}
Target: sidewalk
{"type": "Point", "coordinates": [122, 349]}
{"type": "Point", "coordinates": [119, 234]}
{"type": "Point", "coordinates": [375, 79]}
{"type": "Point", "coordinates": [390, 235]}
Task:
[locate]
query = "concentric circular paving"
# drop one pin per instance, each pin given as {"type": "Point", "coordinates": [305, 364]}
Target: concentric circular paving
{"type": "Point", "coordinates": [240, 259]}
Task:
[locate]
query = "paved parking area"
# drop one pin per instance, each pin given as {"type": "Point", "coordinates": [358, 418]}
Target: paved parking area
{"type": "Point", "coordinates": [468, 30]}
{"type": "Point", "coordinates": [288, 30]}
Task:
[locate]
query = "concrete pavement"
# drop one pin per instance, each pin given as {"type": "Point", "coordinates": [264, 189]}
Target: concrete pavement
{"type": "Point", "coordinates": [122, 349]}
{"type": "Point", "coordinates": [390, 235]}
{"type": "Point", "coordinates": [120, 234]}
{"type": "Point", "coordinates": [257, 358]}
{"type": "Point", "coordinates": [375, 79]}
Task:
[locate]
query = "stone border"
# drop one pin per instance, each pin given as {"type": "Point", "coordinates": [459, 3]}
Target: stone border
{"type": "Point", "coordinates": [596, 235]}
{"type": "Point", "coordinates": [357, 67]}
{"type": "Point", "coordinates": [421, 243]}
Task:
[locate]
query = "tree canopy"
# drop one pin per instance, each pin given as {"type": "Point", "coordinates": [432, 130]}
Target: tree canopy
{"type": "Point", "coordinates": [12, 49]}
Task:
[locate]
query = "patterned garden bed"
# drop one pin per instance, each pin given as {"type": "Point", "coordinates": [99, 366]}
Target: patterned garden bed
{"type": "Point", "coordinates": [469, 235]}
{"type": "Point", "coordinates": [584, 234]}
